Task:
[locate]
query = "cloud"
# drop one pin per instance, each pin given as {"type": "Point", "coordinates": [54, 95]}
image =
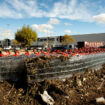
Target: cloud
{"type": "Point", "coordinates": [54, 21]}
{"type": "Point", "coordinates": [63, 9]}
{"type": "Point", "coordinates": [44, 5]}
{"type": "Point", "coordinates": [100, 18]}
{"type": "Point", "coordinates": [67, 31]}
{"type": "Point", "coordinates": [20, 9]}
{"type": "Point", "coordinates": [6, 33]}
{"type": "Point", "coordinates": [67, 24]}
{"type": "Point", "coordinates": [43, 28]}
{"type": "Point", "coordinates": [71, 10]}
{"type": "Point", "coordinates": [6, 12]}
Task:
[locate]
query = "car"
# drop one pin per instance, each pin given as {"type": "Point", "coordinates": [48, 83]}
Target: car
{"type": "Point", "coordinates": [7, 48]}
{"type": "Point", "coordinates": [17, 48]}
{"type": "Point", "coordinates": [39, 48]}
{"type": "Point", "coordinates": [102, 46]}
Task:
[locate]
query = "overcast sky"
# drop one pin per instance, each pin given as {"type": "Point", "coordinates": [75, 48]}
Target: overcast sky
{"type": "Point", "coordinates": [52, 17]}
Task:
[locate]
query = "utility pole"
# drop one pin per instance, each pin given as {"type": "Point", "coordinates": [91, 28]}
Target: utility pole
{"type": "Point", "coordinates": [8, 29]}
{"type": "Point", "coordinates": [47, 38]}
{"type": "Point", "coordinates": [8, 32]}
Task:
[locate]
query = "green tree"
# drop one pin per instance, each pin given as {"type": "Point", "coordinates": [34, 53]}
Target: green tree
{"type": "Point", "coordinates": [67, 39]}
{"type": "Point", "coordinates": [26, 36]}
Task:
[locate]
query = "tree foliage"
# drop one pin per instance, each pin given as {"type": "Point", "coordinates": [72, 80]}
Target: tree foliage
{"type": "Point", "coordinates": [15, 42]}
{"type": "Point", "coordinates": [26, 36]}
{"type": "Point", "coordinates": [67, 39]}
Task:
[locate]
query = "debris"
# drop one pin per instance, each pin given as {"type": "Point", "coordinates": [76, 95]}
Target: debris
{"type": "Point", "coordinates": [80, 89]}
{"type": "Point", "coordinates": [47, 98]}
{"type": "Point", "coordinates": [101, 85]}
{"type": "Point", "coordinates": [79, 82]}
{"type": "Point", "coordinates": [84, 79]}
{"type": "Point", "coordinates": [100, 100]}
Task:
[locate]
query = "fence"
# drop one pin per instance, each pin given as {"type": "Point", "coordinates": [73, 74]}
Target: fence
{"type": "Point", "coordinates": [11, 68]}
{"type": "Point", "coordinates": [58, 69]}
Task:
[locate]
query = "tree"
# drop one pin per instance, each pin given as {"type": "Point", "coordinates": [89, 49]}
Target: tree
{"type": "Point", "coordinates": [67, 39]}
{"type": "Point", "coordinates": [15, 42]}
{"type": "Point", "coordinates": [26, 36]}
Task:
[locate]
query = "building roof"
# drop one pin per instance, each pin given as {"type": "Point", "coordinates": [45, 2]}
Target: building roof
{"type": "Point", "coordinates": [90, 37]}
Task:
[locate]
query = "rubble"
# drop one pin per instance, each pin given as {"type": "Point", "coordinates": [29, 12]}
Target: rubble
{"type": "Point", "coordinates": [86, 88]}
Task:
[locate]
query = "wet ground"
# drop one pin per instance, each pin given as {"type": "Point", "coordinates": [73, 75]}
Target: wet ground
{"type": "Point", "coordinates": [80, 89]}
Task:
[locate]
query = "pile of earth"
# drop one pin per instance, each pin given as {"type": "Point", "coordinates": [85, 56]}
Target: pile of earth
{"type": "Point", "coordinates": [80, 89]}
{"type": "Point", "coordinates": [44, 61]}
{"type": "Point", "coordinates": [32, 65]}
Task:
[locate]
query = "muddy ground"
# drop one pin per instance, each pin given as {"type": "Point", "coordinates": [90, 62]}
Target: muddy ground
{"type": "Point", "coordinates": [80, 89]}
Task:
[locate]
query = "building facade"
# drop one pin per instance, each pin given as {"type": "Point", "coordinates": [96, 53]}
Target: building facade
{"type": "Point", "coordinates": [57, 40]}
{"type": "Point", "coordinates": [54, 41]}
{"type": "Point", "coordinates": [5, 43]}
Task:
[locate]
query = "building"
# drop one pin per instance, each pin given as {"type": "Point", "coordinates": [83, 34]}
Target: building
{"type": "Point", "coordinates": [90, 37]}
{"type": "Point", "coordinates": [5, 42]}
{"type": "Point", "coordinates": [56, 40]}
{"type": "Point", "coordinates": [47, 41]}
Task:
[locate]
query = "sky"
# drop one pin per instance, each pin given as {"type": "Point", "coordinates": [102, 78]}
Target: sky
{"type": "Point", "coordinates": [52, 17]}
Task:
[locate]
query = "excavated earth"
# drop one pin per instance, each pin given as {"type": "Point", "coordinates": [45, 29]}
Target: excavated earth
{"type": "Point", "coordinates": [80, 89]}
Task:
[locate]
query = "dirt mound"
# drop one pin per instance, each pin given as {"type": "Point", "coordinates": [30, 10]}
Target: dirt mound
{"type": "Point", "coordinates": [80, 89]}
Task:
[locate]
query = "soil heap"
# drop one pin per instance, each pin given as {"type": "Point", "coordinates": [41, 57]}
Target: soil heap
{"type": "Point", "coordinates": [80, 89]}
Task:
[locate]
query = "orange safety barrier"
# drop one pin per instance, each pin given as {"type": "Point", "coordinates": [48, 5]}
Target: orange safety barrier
{"type": "Point", "coordinates": [15, 54]}
{"type": "Point", "coordinates": [66, 55]}
{"type": "Point", "coordinates": [1, 55]}
{"type": "Point", "coordinates": [27, 53]}
{"type": "Point", "coordinates": [46, 53]}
